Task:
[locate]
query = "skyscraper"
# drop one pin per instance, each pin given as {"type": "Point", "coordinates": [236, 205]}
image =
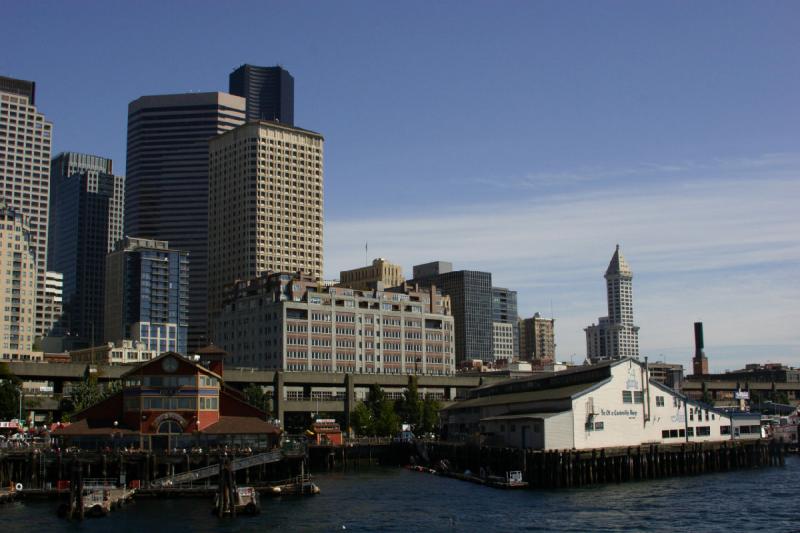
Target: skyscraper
{"type": "Point", "coordinates": [265, 204]}
{"type": "Point", "coordinates": [25, 144]}
{"type": "Point", "coordinates": [146, 288]}
{"type": "Point", "coordinates": [20, 87]}
{"type": "Point", "coordinates": [17, 285]}
{"type": "Point", "coordinates": [471, 302]}
{"type": "Point", "coordinates": [269, 92]}
{"type": "Point", "coordinates": [86, 216]}
{"type": "Point", "coordinates": [166, 187]}
{"type": "Point", "coordinates": [504, 311]}
{"type": "Point", "coordinates": [617, 333]}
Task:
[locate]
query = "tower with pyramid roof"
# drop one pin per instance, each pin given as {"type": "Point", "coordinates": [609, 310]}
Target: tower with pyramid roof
{"type": "Point", "coordinates": [615, 336]}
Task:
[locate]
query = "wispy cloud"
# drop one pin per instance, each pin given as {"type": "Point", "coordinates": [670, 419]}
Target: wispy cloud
{"type": "Point", "coordinates": [726, 251]}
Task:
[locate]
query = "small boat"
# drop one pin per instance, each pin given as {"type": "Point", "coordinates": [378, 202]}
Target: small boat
{"type": "Point", "coordinates": [513, 480]}
{"type": "Point", "coordinates": [306, 487]}
{"type": "Point", "coordinates": [246, 502]}
{"type": "Point", "coordinates": [96, 502]}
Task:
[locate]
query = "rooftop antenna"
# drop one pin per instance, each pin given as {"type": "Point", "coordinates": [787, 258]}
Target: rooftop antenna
{"type": "Point", "coordinates": [366, 253]}
{"type": "Point", "coordinates": [551, 309]}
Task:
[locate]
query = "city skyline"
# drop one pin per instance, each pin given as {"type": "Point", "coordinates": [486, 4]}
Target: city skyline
{"type": "Point", "coordinates": [692, 172]}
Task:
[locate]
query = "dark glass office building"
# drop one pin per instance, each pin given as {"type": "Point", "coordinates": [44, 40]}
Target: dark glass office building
{"type": "Point", "coordinates": [471, 302]}
{"type": "Point", "coordinates": [166, 186]}
{"type": "Point", "coordinates": [269, 92]}
{"type": "Point", "coordinates": [147, 284]}
{"type": "Point", "coordinates": [86, 207]}
{"type": "Point", "coordinates": [504, 309]}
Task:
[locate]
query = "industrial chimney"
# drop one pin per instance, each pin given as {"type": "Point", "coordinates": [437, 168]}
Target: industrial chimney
{"type": "Point", "coordinates": [699, 362]}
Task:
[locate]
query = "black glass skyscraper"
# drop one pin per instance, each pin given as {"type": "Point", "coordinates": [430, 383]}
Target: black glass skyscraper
{"type": "Point", "coordinates": [470, 295]}
{"type": "Point", "coordinates": [269, 92]}
{"type": "Point", "coordinates": [166, 186]}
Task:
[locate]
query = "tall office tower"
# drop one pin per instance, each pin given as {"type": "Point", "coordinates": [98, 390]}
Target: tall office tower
{"type": "Point", "coordinates": [146, 295]}
{"type": "Point", "coordinates": [17, 285]}
{"type": "Point", "coordinates": [471, 302]}
{"type": "Point", "coordinates": [19, 87]}
{"type": "Point", "coordinates": [504, 311]}
{"type": "Point", "coordinates": [381, 271]}
{"type": "Point", "coordinates": [616, 331]}
{"type": "Point", "coordinates": [265, 204]}
{"type": "Point", "coordinates": [166, 186]}
{"type": "Point", "coordinates": [25, 143]}
{"type": "Point", "coordinates": [269, 92]}
{"type": "Point", "coordinates": [86, 216]}
{"type": "Point", "coordinates": [537, 339]}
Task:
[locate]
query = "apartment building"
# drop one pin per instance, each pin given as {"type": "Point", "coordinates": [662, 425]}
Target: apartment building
{"type": "Point", "coordinates": [292, 322]}
{"type": "Point", "coordinates": [147, 295]}
{"type": "Point", "coordinates": [25, 146]}
{"type": "Point", "coordinates": [265, 204]}
{"type": "Point", "coordinates": [18, 274]}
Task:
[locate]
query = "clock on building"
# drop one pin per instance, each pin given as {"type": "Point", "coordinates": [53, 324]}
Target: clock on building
{"type": "Point", "coordinates": [169, 365]}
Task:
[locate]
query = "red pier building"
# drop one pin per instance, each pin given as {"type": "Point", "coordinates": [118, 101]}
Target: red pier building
{"type": "Point", "coordinates": [173, 402]}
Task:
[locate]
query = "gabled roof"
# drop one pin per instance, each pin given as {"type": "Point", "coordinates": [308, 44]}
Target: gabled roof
{"type": "Point", "coordinates": [618, 266]}
{"type": "Point", "coordinates": [141, 367]}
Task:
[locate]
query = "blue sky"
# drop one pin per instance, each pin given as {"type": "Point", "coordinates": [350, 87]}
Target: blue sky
{"type": "Point", "coordinates": [523, 138]}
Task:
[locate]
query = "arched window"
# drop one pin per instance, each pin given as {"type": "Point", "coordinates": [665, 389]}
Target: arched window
{"type": "Point", "coordinates": [169, 427]}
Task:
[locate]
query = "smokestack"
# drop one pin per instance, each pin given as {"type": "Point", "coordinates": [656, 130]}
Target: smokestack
{"type": "Point", "coordinates": [698, 340]}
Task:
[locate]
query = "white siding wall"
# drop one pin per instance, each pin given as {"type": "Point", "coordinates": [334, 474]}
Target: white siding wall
{"type": "Point", "coordinates": [626, 424]}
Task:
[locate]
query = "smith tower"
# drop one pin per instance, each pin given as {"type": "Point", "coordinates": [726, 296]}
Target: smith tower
{"type": "Point", "coordinates": [615, 336]}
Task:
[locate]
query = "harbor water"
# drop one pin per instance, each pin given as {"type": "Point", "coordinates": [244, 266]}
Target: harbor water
{"type": "Point", "coordinates": [392, 499]}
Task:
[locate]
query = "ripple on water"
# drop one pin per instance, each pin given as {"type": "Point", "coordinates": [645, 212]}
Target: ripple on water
{"type": "Point", "coordinates": [398, 500]}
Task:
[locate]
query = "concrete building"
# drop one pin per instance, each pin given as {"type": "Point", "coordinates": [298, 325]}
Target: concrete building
{"type": "Point", "coordinates": [502, 342]}
{"type": "Point", "coordinates": [265, 204]}
{"type": "Point", "coordinates": [18, 285]}
{"type": "Point", "coordinates": [504, 311]}
{"type": "Point", "coordinates": [754, 385]}
{"type": "Point", "coordinates": [146, 295]}
{"type": "Point", "coordinates": [269, 92]}
{"type": "Point", "coordinates": [614, 403]}
{"type": "Point", "coordinates": [86, 217]}
{"type": "Point", "coordinates": [670, 374]}
{"type": "Point", "coordinates": [25, 145]}
{"type": "Point", "coordinates": [290, 322]}
{"type": "Point", "coordinates": [53, 305]}
{"type": "Point", "coordinates": [537, 340]}
{"type": "Point", "coordinates": [470, 295]}
{"type": "Point", "coordinates": [125, 352]}
{"type": "Point", "coordinates": [166, 187]}
{"type": "Point", "coordinates": [19, 87]}
{"type": "Point", "coordinates": [365, 278]}
{"type": "Point", "coordinates": [615, 336]}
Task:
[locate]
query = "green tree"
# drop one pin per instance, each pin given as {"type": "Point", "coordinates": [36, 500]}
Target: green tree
{"type": "Point", "coordinates": [410, 407]}
{"type": "Point", "coordinates": [430, 416]}
{"type": "Point", "coordinates": [374, 399]}
{"type": "Point", "coordinates": [90, 392]}
{"type": "Point", "coordinates": [361, 418]}
{"type": "Point", "coordinates": [9, 393]}
{"type": "Point", "coordinates": [256, 397]}
{"type": "Point", "coordinates": [387, 423]}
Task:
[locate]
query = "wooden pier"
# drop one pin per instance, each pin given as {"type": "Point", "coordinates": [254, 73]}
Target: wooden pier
{"type": "Point", "coordinates": [573, 468]}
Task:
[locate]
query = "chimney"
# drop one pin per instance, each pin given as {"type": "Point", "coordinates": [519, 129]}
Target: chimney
{"type": "Point", "coordinates": [698, 340]}
{"type": "Point", "coordinates": [699, 362]}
